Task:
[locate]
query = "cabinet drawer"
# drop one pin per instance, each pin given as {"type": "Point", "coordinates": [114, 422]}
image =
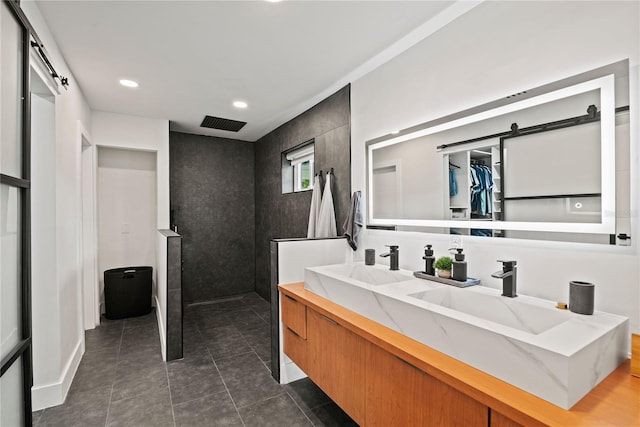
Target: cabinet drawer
{"type": "Point", "coordinates": [294, 315]}
{"type": "Point", "coordinates": [295, 347]}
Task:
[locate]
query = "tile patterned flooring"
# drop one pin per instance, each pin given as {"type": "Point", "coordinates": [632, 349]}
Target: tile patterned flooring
{"type": "Point", "coordinates": [223, 379]}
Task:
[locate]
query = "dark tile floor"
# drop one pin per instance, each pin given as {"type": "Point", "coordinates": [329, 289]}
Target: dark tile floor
{"type": "Point", "coordinates": [223, 379]}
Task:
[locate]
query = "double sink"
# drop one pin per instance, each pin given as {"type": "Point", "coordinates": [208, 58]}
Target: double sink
{"type": "Point", "coordinates": [554, 354]}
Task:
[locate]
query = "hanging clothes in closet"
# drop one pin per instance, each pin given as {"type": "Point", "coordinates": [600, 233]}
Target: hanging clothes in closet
{"type": "Point", "coordinates": [453, 181]}
{"type": "Point", "coordinates": [481, 189]}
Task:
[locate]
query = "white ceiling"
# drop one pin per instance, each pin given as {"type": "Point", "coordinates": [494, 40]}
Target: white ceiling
{"type": "Point", "coordinates": [194, 58]}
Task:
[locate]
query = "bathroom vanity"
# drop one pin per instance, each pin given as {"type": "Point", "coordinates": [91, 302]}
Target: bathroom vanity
{"type": "Point", "coordinates": [554, 354]}
{"type": "Point", "coordinates": [380, 376]}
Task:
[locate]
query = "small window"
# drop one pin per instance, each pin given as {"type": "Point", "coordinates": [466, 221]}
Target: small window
{"type": "Point", "coordinates": [298, 168]}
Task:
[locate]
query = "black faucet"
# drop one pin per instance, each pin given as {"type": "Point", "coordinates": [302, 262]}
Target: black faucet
{"type": "Point", "coordinates": [394, 253]}
{"type": "Point", "coordinates": [508, 276]}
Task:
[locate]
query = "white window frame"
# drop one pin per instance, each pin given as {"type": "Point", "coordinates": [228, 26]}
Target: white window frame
{"type": "Point", "coordinates": [297, 158]}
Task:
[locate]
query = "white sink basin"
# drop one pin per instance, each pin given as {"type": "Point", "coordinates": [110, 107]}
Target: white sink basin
{"type": "Point", "coordinates": [554, 354]}
{"type": "Point", "coordinates": [373, 275]}
{"type": "Point", "coordinates": [509, 312]}
{"type": "Point", "coordinates": [351, 285]}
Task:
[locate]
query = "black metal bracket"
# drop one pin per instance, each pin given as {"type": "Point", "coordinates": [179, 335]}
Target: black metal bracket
{"type": "Point", "coordinates": [593, 115]}
{"type": "Point", "coordinates": [64, 81]}
{"type": "Point", "coordinates": [613, 239]}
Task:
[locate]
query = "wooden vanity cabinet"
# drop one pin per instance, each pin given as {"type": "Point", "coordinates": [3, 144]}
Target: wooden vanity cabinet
{"type": "Point", "coordinates": [382, 378]}
{"type": "Point", "coordinates": [373, 386]}
{"type": "Point", "coordinates": [401, 394]}
{"type": "Point", "coordinates": [336, 363]}
{"type": "Point", "coordinates": [294, 326]}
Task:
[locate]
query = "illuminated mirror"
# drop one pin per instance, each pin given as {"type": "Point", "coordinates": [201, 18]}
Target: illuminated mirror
{"type": "Point", "coordinates": [540, 164]}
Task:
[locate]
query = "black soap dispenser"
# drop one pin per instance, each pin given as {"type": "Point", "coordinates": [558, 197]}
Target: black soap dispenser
{"type": "Point", "coordinates": [429, 259]}
{"type": "Point", "coordinates": [459, 268]}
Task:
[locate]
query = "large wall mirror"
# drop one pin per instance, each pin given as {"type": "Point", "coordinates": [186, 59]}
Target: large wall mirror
{"type": "Point", "coordinates": [548, 163]}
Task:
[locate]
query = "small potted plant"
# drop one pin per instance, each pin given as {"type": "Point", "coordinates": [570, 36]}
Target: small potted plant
{"type": "Point", "coordinates": [443, 265]}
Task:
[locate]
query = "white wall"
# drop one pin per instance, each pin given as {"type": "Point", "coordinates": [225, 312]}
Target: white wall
{"type": "Point", "coordinates": [151, 135]}
{"type": "Point", "coordinates": [43, 229]}
{"type": "Point", "coordinates": [138, 133]}
{"type": "Point", "coordinates": [494, 50]}
{"type": "Point", "coordinates": [63, 315]}
{"type": "Point", "coordinates": [126, 193]}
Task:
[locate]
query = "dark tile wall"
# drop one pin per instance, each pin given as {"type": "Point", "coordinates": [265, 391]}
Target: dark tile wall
{"type": "Point", "coordinates": [213, 204]}
{"type": "Point", "coordinates": [174, 295]}
{"type": "Point", "coordinates": [286, 215]}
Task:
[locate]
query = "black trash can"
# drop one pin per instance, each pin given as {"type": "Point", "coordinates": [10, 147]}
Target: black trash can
{"type": "Point", "coordinates": [127, 292]}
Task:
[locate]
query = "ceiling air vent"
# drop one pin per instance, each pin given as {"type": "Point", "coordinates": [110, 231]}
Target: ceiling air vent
{"type": "Point", "coordinates": [222, 124]}
{"type": "Point", "coordinates": [517, 94]}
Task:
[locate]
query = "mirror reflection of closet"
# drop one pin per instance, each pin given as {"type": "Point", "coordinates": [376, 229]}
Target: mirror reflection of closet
{"type": "Point", "coordinates": [474, 188]}
{"type": "Point", "coordinates": [538, 190]}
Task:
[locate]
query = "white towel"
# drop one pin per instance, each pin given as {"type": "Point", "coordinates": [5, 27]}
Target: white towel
{"type": "Point", "coordinates": [326, 226]}
{"type": "Point", "coordinates": [314, 212]}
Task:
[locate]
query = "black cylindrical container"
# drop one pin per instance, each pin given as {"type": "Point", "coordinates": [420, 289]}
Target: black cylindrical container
{"type": "Point", "coordinates": [370, 256]}
{"type": "Point", "coordinates": [581, 297]}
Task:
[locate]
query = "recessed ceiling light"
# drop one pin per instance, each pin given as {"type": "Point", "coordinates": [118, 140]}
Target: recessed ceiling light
{"type": "Point", "coordinates": [128, 83]}
{"type": "Point", "coordinates": [240, 104]}
{"type": "Point", "coordinates": [274, 1]}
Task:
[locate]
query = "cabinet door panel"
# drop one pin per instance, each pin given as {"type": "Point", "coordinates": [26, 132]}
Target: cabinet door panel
{"type": "Point", "coordinates": [400, 394]}
{"type": "Point", "coordinates": [499, 420]}
{"type": "Point", "coordinates": [336, 360]}
{"type": "Point", "coordinates": [394, 391]}
{"type": "Point", "coordinates": [447, 406]}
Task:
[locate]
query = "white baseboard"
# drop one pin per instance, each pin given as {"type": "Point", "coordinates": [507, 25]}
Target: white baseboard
{"type": "Point", "coordinates": [48, 395]}
{"type": "Point", "coordinates": [161, 330]}
{"type": "Point", "coordinates": [290, 372]}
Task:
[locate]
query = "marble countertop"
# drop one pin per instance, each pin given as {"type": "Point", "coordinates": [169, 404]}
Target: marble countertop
{"type": "Point", "coordinates": [555, 354]}
{"type": "Point", "coordinates": [571, 333]}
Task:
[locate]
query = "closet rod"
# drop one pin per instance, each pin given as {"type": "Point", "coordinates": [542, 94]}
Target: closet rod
{"type": "Point", "coordinates": [587, 118]}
